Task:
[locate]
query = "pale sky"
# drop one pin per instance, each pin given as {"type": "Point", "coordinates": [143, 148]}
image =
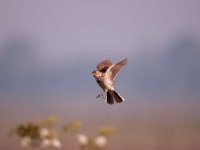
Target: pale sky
{"type": "Point", "coordinates": [69, 30]}
{"type": "Point", "coordinates": [56, 44]}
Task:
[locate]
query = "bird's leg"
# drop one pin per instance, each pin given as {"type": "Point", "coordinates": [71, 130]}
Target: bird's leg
{"type": "Point", "coordinates": [100, 96]}
{"type": "Point", "coordinates": [103, 96]}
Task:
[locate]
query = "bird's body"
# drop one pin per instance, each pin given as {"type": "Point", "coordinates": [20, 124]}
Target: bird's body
{"type": "Point", "coordinates": [104, 82]}
{"type": "Point", "coordinates": [105, 76]}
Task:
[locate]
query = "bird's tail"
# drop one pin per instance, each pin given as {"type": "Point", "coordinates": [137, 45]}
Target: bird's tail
{"type": "Point", "coordinates": [113, 97]}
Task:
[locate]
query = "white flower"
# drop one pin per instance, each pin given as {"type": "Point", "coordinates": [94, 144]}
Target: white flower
{"type": "Point", "coordinates": [44, 132]}
{"type": "Point", "coordinates": [45, 143]}
{"type": "Point", "coordinates": [100, 141]}
{"type": "Point", "coordinates": [26, 141]}
{"type": "Point", "coordinates": [82, 139]}
{"type": "Point", "coordinates": [56, 143]}
{"type": "Point", "coordinates": [50, 142]}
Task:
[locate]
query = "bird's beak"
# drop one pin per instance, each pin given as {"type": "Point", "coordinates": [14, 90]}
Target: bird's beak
{"type": "Point", "coordinates": [93, 72]}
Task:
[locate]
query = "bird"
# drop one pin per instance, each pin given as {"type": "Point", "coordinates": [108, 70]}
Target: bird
{"type": "Point", "coordinates": [105, 75]}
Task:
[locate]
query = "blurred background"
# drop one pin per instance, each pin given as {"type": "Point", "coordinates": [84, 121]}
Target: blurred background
{"type": "Point", "coordinates": [48, 50]}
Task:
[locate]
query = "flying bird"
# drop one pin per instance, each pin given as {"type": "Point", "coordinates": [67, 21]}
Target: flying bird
{"type": "Point", "coordinates": [105, 76]}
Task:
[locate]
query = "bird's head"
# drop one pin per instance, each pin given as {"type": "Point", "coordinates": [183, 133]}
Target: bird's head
{"type": "Point", "coordinates": [96, 73]}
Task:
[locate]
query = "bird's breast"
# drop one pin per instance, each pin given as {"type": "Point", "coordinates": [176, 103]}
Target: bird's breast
{"type": "Point", "coordinates": [108, 83]}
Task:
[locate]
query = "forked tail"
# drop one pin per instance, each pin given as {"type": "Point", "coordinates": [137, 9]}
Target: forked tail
{"type": "Point", "coordinates": [113, 96]}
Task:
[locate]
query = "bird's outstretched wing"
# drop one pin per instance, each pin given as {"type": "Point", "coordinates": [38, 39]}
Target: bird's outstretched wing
{"type": "Point", "coordinates": [104, 65]}
{"type": "Point", "coordinates": [115, 68]}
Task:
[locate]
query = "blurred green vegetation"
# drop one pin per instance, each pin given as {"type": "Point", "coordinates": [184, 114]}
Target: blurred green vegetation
{"type": "Point", "coordinates": [43, 134]}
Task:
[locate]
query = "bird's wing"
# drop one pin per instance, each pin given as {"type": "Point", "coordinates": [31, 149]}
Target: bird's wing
{"type": "Point", "coordinates": [115, 68]}
{"type": "Point", "coordinates": [104, 64]}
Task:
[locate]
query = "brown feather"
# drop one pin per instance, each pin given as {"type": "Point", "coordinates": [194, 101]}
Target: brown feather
{"type": "Point", "coordinates": [115, 68]}
{"type": "Point", "coordinates": [104, 64]}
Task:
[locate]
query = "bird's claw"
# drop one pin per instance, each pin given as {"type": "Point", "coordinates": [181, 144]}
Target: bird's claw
{"type": "Point", "coordinates": [100, 96]}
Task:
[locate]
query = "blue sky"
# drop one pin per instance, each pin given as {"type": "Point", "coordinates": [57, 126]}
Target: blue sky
{"type": "Point", "coordinates": [55, 45]}
{"type": "Point", "coordinates": [50, 46]}
{"type": "Point", "coordinates": [74, 30]}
